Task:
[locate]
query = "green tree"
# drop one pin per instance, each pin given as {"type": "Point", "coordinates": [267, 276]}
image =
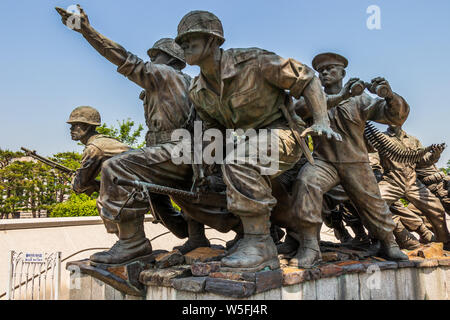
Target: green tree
{"type": "Point", "coordinates": [124, 133]}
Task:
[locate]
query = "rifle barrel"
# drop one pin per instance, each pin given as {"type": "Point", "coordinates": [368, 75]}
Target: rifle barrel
{"type": "Point", "coordinates": [47, 161]}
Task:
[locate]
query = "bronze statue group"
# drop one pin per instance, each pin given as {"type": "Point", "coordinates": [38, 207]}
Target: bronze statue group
{"type": "Point", "coordinates": [345, 181]}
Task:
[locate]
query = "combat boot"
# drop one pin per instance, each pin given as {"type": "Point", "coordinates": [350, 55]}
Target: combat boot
{"type": "Point", "coordinates": [288, 246]}
{"type": "Point", "coordinates": [425, 234]}
{"type": "Point", "coordinates": [404, 238]}
{"type": "Point", "coordinates": [197, 237]}
{"type": "Point", "coordinates": [341, 233]}
{"type": "Point", "coordinates": [361, 237]}
{"type": "Point", "coordinates": [391, 250]}
{"type": "Point", "coordinates": [132, 245]}
{"type": "Point", "coordinates": [308, 253]}
{"type": "Point", "coordinates": [256, 250]}
{"type": "Point", "coordinates": [232, 245]}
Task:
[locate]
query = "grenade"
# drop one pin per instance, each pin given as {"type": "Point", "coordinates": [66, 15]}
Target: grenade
{"type": "Point", "coordinates": [357, 88]}
{"type": "Point", "coordinates": [381, 90]}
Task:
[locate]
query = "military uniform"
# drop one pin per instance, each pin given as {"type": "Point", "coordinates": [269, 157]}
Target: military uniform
{"type": "Point", "coordinates": [99, 148]}
{"type": "Point", "coordinates": [167, 107]}
{"type": "Point", "coordinates": [347, 163]}
{"type": "Point", "coordinates": [400, 181]}
{"type": "Point", "coordinates": [437, 182]}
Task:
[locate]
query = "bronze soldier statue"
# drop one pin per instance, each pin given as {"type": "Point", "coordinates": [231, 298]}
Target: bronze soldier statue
{"type": "Point", "coordinates": [400, 181]}
{"type": "Point", "coordinates": [336, 206]}
{"type": "Point", "coordinates": [405, 220]}
{"type": "Point", "coordinates": [346, 163]}
{"type": "Point", "coordinates": [84, 120]}
{"type": "Point", "coordinates": [246, 89]}
{"type": "Point", "coordinates": [167, 107]}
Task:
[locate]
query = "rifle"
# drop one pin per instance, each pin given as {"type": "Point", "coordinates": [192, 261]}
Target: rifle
{"type": "Point", "coordinates": [47, 161]}
{"type": "Point", "coordinates": [207, 198]}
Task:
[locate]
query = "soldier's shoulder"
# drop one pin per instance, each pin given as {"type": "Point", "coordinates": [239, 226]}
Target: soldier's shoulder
{"type": "Point", "coordinates": [102, 141]}
{"type": "Point", "coordinates": [240, 55]}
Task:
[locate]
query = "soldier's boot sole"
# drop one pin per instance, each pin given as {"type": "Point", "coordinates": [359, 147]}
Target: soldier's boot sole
{"type": "Point", "coordinates": [272, 264]}
{"type": "Point", "coordinates": [104, 265]}
{"type": "Point", "coordinates": [308, 258]}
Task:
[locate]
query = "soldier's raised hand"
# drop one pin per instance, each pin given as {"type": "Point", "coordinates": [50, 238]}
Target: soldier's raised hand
{"type": "Point", "coordinates": [74, 21]}
{"type": "Point", "coordinates": [381, 87]}
{"type": "Point", "coordinates": [346, 90]}
{"type": "Point", "coordinates": [318, 129]}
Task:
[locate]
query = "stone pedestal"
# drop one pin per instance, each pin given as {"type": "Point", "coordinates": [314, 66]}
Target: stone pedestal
{"type": "Point", "coordinates": [366, 278]}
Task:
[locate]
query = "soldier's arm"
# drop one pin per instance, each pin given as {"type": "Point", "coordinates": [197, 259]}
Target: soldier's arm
{"type": "Point", "coordinates": [112, 51]}
{"type": "Point", "coordinates": [303, 110]}
{"type": "Point", "coordinates": [299, 80]}
{"type": "Point", "coordinates": [393, 109]}
{"type": "Point", "coordinates": [84, 179]}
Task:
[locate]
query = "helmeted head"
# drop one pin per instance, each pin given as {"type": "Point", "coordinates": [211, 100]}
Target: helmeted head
{"type": "Point", "coordinates": [169, 47]}
{"type": "Point", "coordinates": [198, 32]}
{"type": "Point", "coordinates": [331, 67]}
{"type": "Point", "coordinates": [83, 120]}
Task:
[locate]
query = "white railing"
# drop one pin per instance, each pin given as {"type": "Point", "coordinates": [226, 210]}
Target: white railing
{"type": "Point", "coordinates": [34, 276]}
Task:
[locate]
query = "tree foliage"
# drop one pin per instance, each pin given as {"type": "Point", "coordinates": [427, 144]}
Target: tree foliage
{"type": "Point", "coordinates": [124, 133]}
{"type": "Point", "coordinates": [29, 185]}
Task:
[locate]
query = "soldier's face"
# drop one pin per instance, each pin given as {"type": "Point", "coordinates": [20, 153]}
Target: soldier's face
{"type": "Point", "coordinates": [78, 130]}
{"type": "Point", "coordinates": [160, 57]}
{"type": "Point", "coordinates": [194, 47]}
{"type": "Point", "coordinates": [331, 74]}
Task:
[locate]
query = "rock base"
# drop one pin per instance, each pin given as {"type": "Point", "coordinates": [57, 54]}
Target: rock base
{"type": "Point", "coordinates": [345, 274]}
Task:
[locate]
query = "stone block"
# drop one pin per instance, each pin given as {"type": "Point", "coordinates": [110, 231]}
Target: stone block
{"type": "Point", "coordinates": [309, 290]}
{"type": "Point", "coordinates": [109, 292]}
{"type": "Point", "coordinates": [169, 259]}
{"type": "Point", "coordinates": [315, 273]}
{"type": "Point", "coordinates": [202, 269]}
{"type": "Point", "coordinates": [348, 287]}
{"type": "Point", "coordinates": [185, 295]}
{"type": "Point", "coordinates": [327, 289]}
{"type": "Point", "coordinates": [427, 263]}
{"type": "Point", "coordinates": [351, 266]}
{"type": "Point", "coordinates": [97, 290]}
{"type": "Point", "coordinates": [293, 276]}
{"type": "Point", "coordinates": [406, 264]}
{"type": "Point", "coordinates": [160, 293]}
{"type": "Point", "coordinates": [293, 292]}
{"type": "Point", "coordinates": [237, 276]}
{"type": "Point", "coordinates": [267, 280]}
{"type": "Point", "coordinates": [330, 256]}
{"type": "Point", "coordinates": [80, 286]}
{"type": "Point", "coordinates": [406, 283]}
{"type": "Point", "coordinates": [204, 254]}
{"type": "Point", "coordinates": [386, 288]}
{"type": "Point", "coordinates": [230, 288]}
{"type": "Point", "coordinates": [274, 294]}
{"type": "Point", "coordinates": [330, 270]}
{"type": "Point", "coordinates": [192, 284]}
{"type": "Point", "coordinates": [444, 262]}
{"type": "Point", "coordinates": [387, 265]}
{"type": "Point", "coordinates": [163, 277]}
{"type": "Point", "coordinates": [433, 283]}
{"type": "Point", "coordinates": [431, 251]}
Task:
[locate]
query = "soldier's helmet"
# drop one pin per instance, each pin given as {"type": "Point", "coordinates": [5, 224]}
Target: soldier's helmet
{"type": "Point", "coordinates": [200, 22]}
{"type": "Point", "coordinates": [167, 45]}
{"type": "Point", "coordinates": [85, 114]}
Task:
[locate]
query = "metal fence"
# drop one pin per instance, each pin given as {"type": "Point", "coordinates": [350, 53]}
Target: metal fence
{"type": "Point", "coordinates": [34, 276]}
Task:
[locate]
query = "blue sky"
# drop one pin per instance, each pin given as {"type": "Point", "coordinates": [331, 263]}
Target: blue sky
{"type": "Point", "coordinates": [47, 69]}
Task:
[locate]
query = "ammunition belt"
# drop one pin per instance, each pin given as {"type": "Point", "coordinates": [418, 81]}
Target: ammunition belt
{"type": "Point", "coordinates": [389, 149]}
{"type": "Point", "coordinates": [433, 178]}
